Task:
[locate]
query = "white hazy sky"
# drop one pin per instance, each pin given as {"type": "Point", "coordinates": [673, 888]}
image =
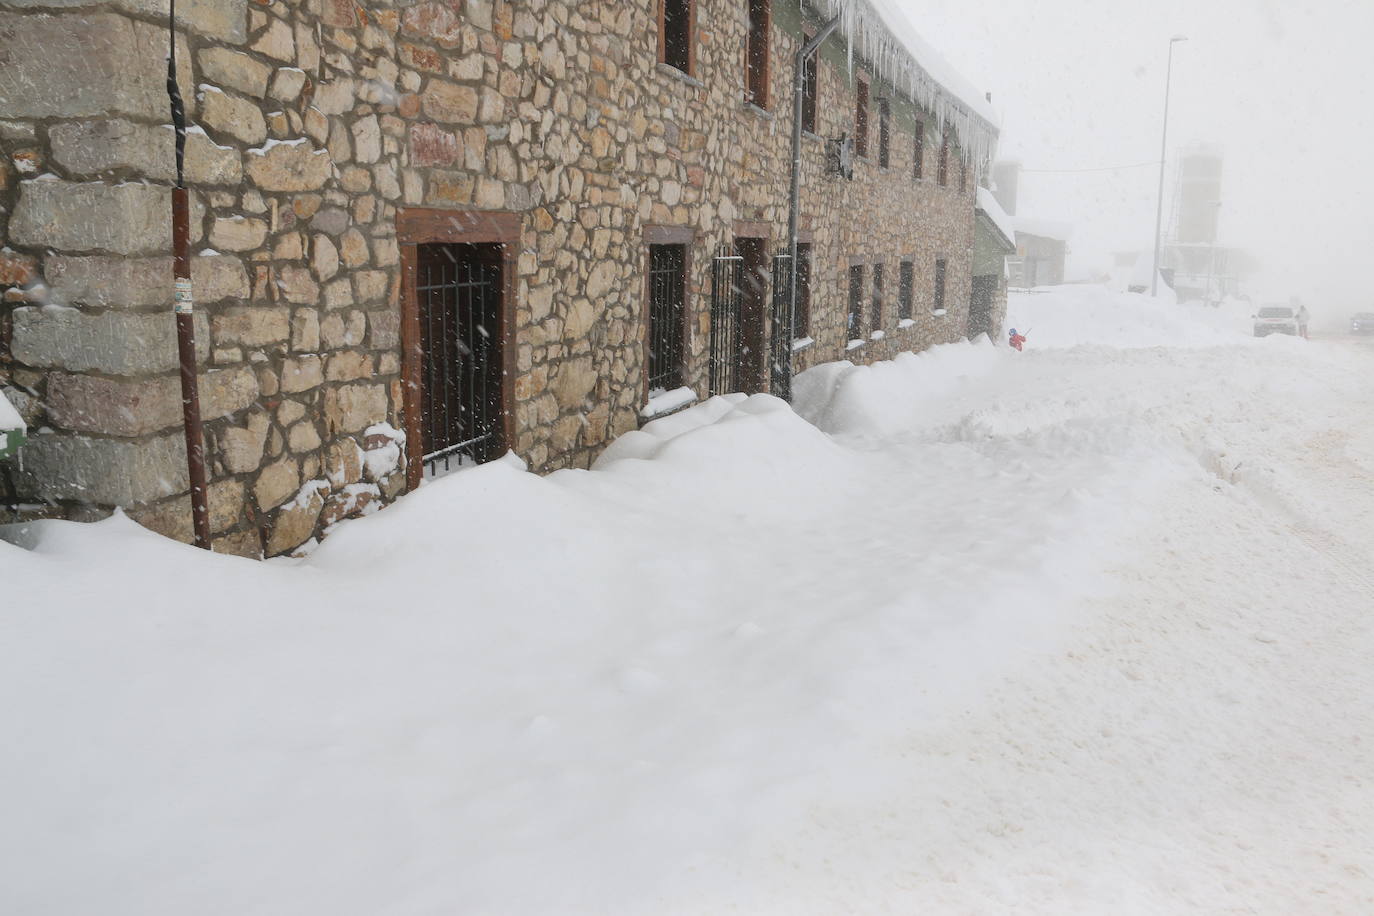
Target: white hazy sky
{"type": "Point", "coordinates": [1283, 88]}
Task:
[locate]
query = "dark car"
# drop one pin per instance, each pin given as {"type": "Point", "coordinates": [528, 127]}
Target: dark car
{"type": "Point", "coordinates": [1362, 323]}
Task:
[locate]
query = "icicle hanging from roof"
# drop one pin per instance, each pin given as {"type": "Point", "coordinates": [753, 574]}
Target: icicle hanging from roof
{"type": "Point", "coordinates": [878, 33]}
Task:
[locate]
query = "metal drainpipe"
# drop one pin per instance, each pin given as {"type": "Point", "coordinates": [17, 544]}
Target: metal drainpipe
{"type": "Point", "coordinates": [183, 305]}
{"type": "Point", "coordinates": [798, 88]}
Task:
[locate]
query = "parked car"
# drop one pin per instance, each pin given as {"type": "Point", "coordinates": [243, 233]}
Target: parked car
{"type": "Point", "coordinates": [1275, 319]}
{"type": "Point", "coordinates": [1362, 323]}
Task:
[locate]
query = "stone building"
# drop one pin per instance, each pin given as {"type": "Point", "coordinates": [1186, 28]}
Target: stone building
{"type": "Point", "coordinates": [427, 233]}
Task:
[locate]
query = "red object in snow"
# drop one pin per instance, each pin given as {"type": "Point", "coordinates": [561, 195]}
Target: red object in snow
{"type": "Point", "coordinates": [1016, 340]}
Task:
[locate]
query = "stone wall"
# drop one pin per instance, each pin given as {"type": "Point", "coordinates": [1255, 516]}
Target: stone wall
{"type": "Point", "coordinates": [316, 121]}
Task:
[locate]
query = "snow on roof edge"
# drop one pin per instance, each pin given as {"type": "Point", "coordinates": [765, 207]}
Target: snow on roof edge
{"type": "Point", "coordinates": [1043, 228]}
{"type": "Point", "coordinates": [987, 203]}
{"type": "Point", "coordinates": [882, 35]}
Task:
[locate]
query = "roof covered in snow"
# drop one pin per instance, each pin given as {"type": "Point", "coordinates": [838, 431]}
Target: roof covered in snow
{"type": "Point", "coordinates": [988, 205]}
{"type": "Point", "coordinates": [1043, 228]}
{"type": "Point", "coordinates": [880, 33]}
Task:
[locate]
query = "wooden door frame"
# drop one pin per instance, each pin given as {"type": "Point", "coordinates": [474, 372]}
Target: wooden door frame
{"type": "Point", "coordinates": [417, 226]}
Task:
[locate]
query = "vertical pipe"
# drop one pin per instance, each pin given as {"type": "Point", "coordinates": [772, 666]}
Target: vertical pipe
{"type": "Point", "coordinates": [794, 198]}
{"type": "Point", "coordinates": [184, 307]}
{"type": "Point", "coordinates": [1163, 146]}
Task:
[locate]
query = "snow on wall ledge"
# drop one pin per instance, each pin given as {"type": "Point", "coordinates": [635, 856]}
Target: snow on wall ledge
{"type": "Point", "coordinates": [880, 33]}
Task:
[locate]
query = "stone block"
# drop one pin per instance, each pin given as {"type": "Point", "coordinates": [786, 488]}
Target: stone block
{"type": "Point", "coordinates": [75, 216]}
{"type": "Point", "coordinates": [367, 140]}
{"type": "Point", "coordinates": [91, 148]}
{"type": "Point", "coordinates": [298, 286]}
{"type": "Point", "coordinates": [172, 518]}
{"type": "Point", "coordinates": [440, 21]}
{"type": "Point", "coordinates": [343, 462]}
{"type": "Point", "coordinates": [107, 472]}
{"type": "Point", "coordinates": [450, 103]}
{"type": "Point", "coordinates": [303, 437]}
{"type": "Point", "coordinates": [241, 447]}
{"type": "Point", "coordinates": [352, 408]}
{"type": "Point", "coordinates": [289, 166]}
{"type": "Point", "coordinates": [431, 145]}
{"type": "Point", "coordinates": [119, 343]}
{"type": "Point", "coordinates": [140, 282]}
{"type": "Point", "coordinates": [246, 544]}
{"type": "Point", "coordinates": [231, 114]}
{"type": "Point", "coordinates": [17, 269]}
{"type": "Point", "coordinates": [85, 64]}
{"type": "Point", "coordinates": [575, 381]}
{"type": "Point", "coordinates": [348, 366]}
{"type": "Point", "coordinates": [226, 67]}
{"type": "Point", "coordinates": [252, 326]}
{"type": "Point", "coordinates": [295, 523]}
{"type": "Point", "coordinates": [288, 83]}
{"type": "Point", "coordinates": [301, 373]}
{"type": "Point", "coordinates": [129, 407]}
{"type": "Point", "coordinates": [370, 286]}
{"type": "Point", "coordinates": [276, 483]}
{"type": "Point", "coordinates": [238, 233]}
{"type": "Point", "coordinates": [384, 330]}
{"type": "Point", "coordinates": [305, 330]}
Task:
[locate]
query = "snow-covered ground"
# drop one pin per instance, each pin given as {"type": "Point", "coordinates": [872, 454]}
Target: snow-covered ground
{"type": "Point", "coordinates": [1083, 629]}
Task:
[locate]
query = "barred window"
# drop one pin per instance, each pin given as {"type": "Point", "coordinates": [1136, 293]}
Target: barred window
{"type": "Point", "coordinates": [856, 302]}
{"type": "Point", "coordinates": [906, 289]}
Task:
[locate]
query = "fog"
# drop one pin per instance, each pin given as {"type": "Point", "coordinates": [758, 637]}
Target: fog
{"type": "Point", "coordinates": [1281, 88]}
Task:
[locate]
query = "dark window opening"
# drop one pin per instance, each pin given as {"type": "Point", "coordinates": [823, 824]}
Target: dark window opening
{"type": "Point", "coordinates": [801, 326]}
{"type": "Point", "coordinates": [906, 289]}
{"type": "Point", "coordinates": [919, 153]}
{"type": "Point", "coordinates": [667, 297]}
{"type": "Point", "coordinates": [809, 91]}
{"type": "Point", "coordinates": [856, 302]}
{"type": "Point", "coordinates": [877, 296]}
{"type": "Point", "coordinates": [752, 281]}
{"type": "Point", "coordinates": [940, 285]}
{"type": "Point", "coordinates": [459, 291]}
{"type": "Point", "coordinates": [756, 63]}
{"type": "Point", "coordinates": [861, 117]}
{"type": "Point", "coordinates": [942, 174]}
{"type": "Point", "coordinates": [675, 34]}
{"type": "Point", "coordinates": [884, 132]}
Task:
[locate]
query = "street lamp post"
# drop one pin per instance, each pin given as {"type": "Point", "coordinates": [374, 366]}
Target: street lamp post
{"type": "Point", "coordinates": [1163, 145]}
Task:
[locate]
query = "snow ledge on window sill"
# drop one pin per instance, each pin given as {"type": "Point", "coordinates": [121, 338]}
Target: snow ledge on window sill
{"type": "Point", "coordinates": [668, 402]}
{"type": "Point", "coordinates": [855, 344]}
{"type": "Point", "coordinates": [940, 313]}
{"type": "Point", "coordinates": [760, 112]}
{"type": "Point", "coordinates": [877, 335]}
{"type": "Point", "coordinates": [907, 323]}
{"type": "Point", "coordinates": [802, 343]}
{"type": "Point", "coordinates": [675, 73]}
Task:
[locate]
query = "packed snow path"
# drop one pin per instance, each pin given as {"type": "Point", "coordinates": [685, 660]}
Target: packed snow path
{"type": "Point", "coordinates": [1079, 630]}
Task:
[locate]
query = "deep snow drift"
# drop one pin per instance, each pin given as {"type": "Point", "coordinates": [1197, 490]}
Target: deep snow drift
{"type": "Point", "coordinates": [1077, 630]}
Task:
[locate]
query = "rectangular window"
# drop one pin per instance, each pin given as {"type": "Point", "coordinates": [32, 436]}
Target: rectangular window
{"type": "Point", "coordinates": [861, 117]}
{"type": "Point", "coordinates": [918, 154]}
{"type": "Point", "coordinates": [856, 302]}
{"type": "Point", "coordinates": [942, 172]}
{"type": "Point", "coordinates": [906, 286]}
{"type": "Point", "coordinates": [802, 325]}
{"type": "Point", "coordinates": [939, 286]}
{"type": "Point", "coordinates": [667, 296]}
{"type": "Point", "coordinates": [877, 296]}
{"type": "Point", "coordinates": [675, 34]}
{"type": "Point", "coordinates": [884, 132]}
{"type": "Point", "coordinates": [810, 89]}
{"type": "Point", "coordinates": [756, 54]}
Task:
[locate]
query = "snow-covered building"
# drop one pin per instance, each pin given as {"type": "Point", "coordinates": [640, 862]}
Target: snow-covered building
{"type": "Point", "coordinates": [444, 230]}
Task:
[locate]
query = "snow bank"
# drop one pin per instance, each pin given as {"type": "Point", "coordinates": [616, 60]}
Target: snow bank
{"type": "Point", "coordinates": [748, 663]}
{"type": "Point", "coordinates": [1069, 316]}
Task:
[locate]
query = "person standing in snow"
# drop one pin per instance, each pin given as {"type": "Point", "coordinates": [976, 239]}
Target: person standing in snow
{"type": "Point", "coordinates": [1302, 321]}
{"type": "Point", "coordinates": [1015, 340]}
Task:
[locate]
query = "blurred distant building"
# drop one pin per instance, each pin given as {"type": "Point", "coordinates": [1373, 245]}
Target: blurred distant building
{"type": "Point", "coordinates": [1192, 258]}
{"type": "Point", "coordinates": [1041, 244]}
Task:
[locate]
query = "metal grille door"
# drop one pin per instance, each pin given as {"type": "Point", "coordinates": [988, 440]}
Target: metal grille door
{"type": "Point", "coordinates": [459, 290]}
{"type": "Point", "coordinates": [780, 354]}
{"type": "Point", "coordinates": [726, 296]}
{"type": "Point", "coordinates": [667, 282]}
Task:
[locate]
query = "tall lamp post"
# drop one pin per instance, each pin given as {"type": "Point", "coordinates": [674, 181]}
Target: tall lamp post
{"type": "Point", "coordinates": [1163, 145]}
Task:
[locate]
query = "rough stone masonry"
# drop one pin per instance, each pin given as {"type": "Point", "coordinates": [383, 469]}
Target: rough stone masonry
{"type": "Point", "coordinates": [316, 124]}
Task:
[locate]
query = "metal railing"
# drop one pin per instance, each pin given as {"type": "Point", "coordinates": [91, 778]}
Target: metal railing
{"type": "Point", "coordinates": [726, 296]}
{"type": "Point", "coordinates": [459, 289]}
{"type": "Point", "coordinates": [667, 284]}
